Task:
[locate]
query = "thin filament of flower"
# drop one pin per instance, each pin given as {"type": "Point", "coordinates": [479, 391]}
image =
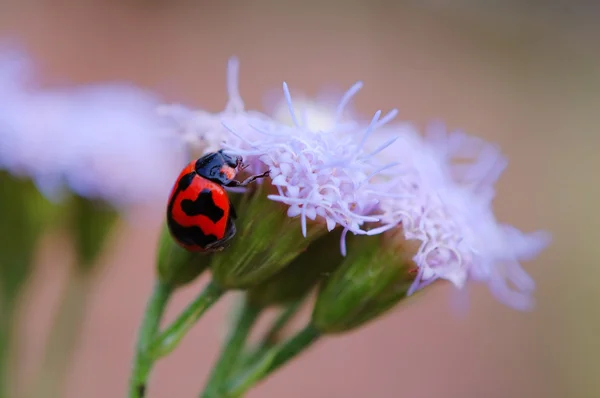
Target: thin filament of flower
{"type": "Point", "coordinates": [235, 102]}
{"type": "Point", "coordinates": [352, 91]}
{"type": "Point", "coordinates": [343, 242]}
{"type": "Point", "coordinates": [288, 100]}
{"type": "Point", "coordinates": [381, 169]}
{"type": "Point", "coordinates": [303, 214]}
{"type": "Point", "coordinates": [238, 136]}
{"type": "Point", "coordinates": [387, 118]}
{"type": "Point", "coordinates": [379, 230]}
{"type": "Point", "coordinates": [379, 148]}
{"type": "Point", "coordinates": [368, 132]}
{"type": "Point", "coordinates": [265, 132]}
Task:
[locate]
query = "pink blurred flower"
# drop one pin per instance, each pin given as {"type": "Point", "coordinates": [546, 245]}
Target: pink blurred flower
{"type": "Point", "coordinates": [101, 141]}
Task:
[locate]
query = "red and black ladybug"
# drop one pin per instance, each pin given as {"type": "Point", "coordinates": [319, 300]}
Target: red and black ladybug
{"type": "Point", "coordinates": [200, 215]}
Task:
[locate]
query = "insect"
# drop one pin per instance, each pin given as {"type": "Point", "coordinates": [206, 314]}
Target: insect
{"type": "Point", "coordinates": [200, 215]}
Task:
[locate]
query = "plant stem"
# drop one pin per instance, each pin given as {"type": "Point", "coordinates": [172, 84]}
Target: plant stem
{"type": "Point", "coordinates": [283, 318]}
{"type": "Point", "coordinates": [64, 335]}
{"type": "Point", "coordinates": [273, 335]}
{"type": "Point", "coordinates": [7, 326]}
{"type": "Point", "coordinates": [232, 350]}
{"type": "Point", "coordinates": [168, 340]}
{"type": "Point", "coordinates": [143, 362]}
{"type": "Point", "coordinates": [273, 360]}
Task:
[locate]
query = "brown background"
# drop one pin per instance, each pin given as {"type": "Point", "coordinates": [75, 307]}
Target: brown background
{"type": "Point", "coordinates": [526, 77]}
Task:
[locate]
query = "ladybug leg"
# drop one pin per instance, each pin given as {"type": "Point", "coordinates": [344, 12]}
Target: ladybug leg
{"type": "Point", "coordinates": [254, 178]}
{"type": "Point", "coordinates": [234, 183]}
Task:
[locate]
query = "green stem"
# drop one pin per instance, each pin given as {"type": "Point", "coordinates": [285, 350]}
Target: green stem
{"type": "Point", "coordinates": [273, 360]}
{"type": "Point", "coordinates": [7, 328]}
{"type": "Point", "coordinates": [273, 335]}
{"type": "Point", "coordinates": [168, 340]}
{"type": "Point", "coordinates": [64, 336]}
{"type": "Point", "coordinates": [143, 362]}
{"type": "Point", "coordinates": [231, 351]}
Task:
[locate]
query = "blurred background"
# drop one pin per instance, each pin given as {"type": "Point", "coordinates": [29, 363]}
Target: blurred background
{"type": "Point", "coordinates": [524, 74]}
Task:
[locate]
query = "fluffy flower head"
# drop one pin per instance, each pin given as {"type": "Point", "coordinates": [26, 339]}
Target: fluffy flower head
{"type": "Point", "coordinates": [444, 202]}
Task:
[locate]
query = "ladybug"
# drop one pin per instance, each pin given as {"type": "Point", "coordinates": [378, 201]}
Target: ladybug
{"type": "Point", "coordinates": [200, 215]}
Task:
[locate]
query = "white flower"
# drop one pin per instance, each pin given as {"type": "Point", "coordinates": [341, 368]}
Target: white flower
{"type": "Point", "coordinates": [101, 141]}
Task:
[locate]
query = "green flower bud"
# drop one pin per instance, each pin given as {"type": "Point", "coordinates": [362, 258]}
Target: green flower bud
{"type": "Point", "coordinates": [372, 279]}
{"type": "Point", "coordinates": [177, 266]}
{"type": "Point", "coordinates": [266, 241]}
{"type": "Point", "coordinates": [91, 223]}
{"type": "Point", "coordinates": [296, 280]}
{"type": "Point", "coordinates": [24, 214]}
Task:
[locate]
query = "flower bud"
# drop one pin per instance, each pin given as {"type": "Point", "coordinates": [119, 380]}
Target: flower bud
{"type": "Point", "coordinates": [296, 280]}
{"type": "Point", "coordinates": [373, 278]}
{"type": "Point", "coordinates": [177, 266]}
{"type": "Point", "coordinates": [266, 241]}
{"type": "Point", "coordinates": [91, 223]}
{"type": "Point", "coordinates": [24, 213]}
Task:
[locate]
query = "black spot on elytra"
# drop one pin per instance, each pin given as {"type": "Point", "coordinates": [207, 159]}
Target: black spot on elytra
{"type": "Point", "coordinates": [185, 181]}
{"type": "Point", "coordinates": [141, 390]}
{"type": "Point", "coordinates": [190, 236]}
{"type": "Point", "coordinates": [203, 205]}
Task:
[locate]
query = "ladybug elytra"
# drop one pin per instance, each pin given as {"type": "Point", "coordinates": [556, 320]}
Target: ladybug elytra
{"type": "Point", "coordinates": [200, 215]}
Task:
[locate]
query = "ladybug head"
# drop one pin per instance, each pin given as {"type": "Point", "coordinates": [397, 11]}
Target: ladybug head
{"type": "Point", "coordinates": [219, 167]}
{"type": "Point", "coordinates": [233, 161]}
{"type": "Point", "coordinates": [230, 165]}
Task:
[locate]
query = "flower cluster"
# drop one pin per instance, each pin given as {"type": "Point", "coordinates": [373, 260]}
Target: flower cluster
{"type": "Point", "coordinates": [379, 178]}
{"type": "Point", "coordinates": [320, 170]}
{"type": "Point", "coordinates": [444, 202]}
{"type": "Point", "coordinates": [101, 141]}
